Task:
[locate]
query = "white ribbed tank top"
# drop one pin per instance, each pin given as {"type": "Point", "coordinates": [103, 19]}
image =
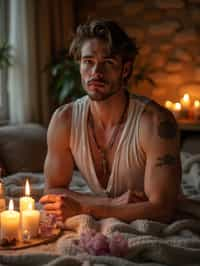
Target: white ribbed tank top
{"type": "Point", "coordinates": [129, 160]}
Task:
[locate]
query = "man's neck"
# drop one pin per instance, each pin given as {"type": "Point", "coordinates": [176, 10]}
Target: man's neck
{"type": "Point", "coordinates": [107, 113]}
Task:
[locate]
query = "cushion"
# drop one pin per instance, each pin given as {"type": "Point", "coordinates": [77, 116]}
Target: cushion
{"type": "Point", "coordinates": [23, 147]}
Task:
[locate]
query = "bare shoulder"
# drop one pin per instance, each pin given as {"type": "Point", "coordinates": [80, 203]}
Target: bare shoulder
{"type": "Point", "coordinates": [60, 124]}
{"type": "Point", "coordinates": [157, 121]}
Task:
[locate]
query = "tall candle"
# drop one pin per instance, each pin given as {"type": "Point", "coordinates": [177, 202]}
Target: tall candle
{"type": "Point", "coordinates": [10, 222]}
{"type": "Point", "coordinates": [185, 101]}
{"type": "Point", "coordinates": [196, 109]}
{"type": "Point", "coordinates": [186, 104]}
{"type": "Point", "coordinates": [177, 110]}
{"type": "Point", "coordinates": [26, 201]}
{"type": "Point", "coordinates": [30, 222]}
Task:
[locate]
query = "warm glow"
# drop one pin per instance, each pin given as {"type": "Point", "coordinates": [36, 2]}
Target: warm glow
{"type": "Point", "coordinates": [11, 205]}
{"type": "Point", "coordinates": [27, 188]}
{"type": "Point", "coordinates": [168, 104]}
{"type": "Point", "coordinates": [197, 104]}
{"type": "Point", "coordinates": [185, 101]}
{"type": "Point", "coordinates": [177, 106]}
{"type": "Point", "coordinates": [186, 97]}
{"type": "Point", "coordinates": [30, 206]}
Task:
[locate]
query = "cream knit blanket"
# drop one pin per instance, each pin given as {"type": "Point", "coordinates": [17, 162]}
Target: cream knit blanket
{"type": "Point", "coordinates": [150, 243]}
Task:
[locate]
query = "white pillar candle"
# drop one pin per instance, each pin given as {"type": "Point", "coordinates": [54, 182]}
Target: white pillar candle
{"type": "Point", "coordinates": [30, 222]}
{"type": "Point", "coordinates": [26, 201]}
{"type": "Point", "coordinates": [10, 222]}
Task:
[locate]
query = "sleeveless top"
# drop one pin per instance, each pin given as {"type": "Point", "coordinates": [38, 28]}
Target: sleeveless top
{"type": "Point", "coordinates": [129, 160]}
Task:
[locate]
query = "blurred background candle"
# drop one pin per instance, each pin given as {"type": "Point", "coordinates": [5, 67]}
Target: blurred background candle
{"type": "Point", "coordinates": [176, 110]}
{"type": "Point", "coordinates": [186, 105]}
{"type": "Point", "coordinates": [196, 109]}
{"type": "Point", "coordinates": [10, 223]}
{"type": "Point", "coordinates": [185, 101]}
{"type": "Point", "coordinates": [27, 201]}
{"type": "Point", "coordinates": [30, 221]}
{"type": "Point", "coordinates": [169, 105]}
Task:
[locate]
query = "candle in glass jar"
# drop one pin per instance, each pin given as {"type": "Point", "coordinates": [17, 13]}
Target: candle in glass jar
{"type": "Point", "coordinates": [26, 201]}
{"type": "Point", "coordinates": [30, 222]}
{"type": "Point", "coordinates": [10, 222]}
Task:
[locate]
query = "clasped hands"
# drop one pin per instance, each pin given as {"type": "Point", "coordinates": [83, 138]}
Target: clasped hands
{"type": "Point", "coordinates": [64, 206]}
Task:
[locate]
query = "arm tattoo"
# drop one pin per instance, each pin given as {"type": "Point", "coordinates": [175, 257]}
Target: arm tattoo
{"type": "Point", "coordinates": [167, 159]}
{"type": "Point", "coordinates": [167, 129]}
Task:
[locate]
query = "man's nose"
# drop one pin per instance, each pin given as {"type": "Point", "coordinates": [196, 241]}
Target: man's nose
{"type": "Point", "coordinates": [98, 69]}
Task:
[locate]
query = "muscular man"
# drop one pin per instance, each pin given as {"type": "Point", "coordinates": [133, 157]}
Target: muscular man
{"type": "Point", "coordinates": [126, 147]}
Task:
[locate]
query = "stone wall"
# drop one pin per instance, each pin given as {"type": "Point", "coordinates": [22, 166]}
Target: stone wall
{"type": "Point", "coordinates": [168, 35]}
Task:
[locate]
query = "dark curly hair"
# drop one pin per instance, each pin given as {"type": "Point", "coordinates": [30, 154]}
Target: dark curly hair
{"type": "Point", "coordinates": [117, 39]}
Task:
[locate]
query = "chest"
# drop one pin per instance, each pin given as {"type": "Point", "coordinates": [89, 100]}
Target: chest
{"type": "Point", "coordinates": [103, 146]}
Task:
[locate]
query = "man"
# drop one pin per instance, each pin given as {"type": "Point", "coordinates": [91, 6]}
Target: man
{"type": "Point", "coordinates": [127, 148]}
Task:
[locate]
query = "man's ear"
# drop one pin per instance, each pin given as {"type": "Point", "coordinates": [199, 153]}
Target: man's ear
{"type": "Point", "coordinates": [127, 70]}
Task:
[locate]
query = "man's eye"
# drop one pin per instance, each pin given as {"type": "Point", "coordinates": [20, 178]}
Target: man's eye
{"type": "Point", "coordinates": [110, 62]}
{"type": "Point", "coordinates": [87, 62]}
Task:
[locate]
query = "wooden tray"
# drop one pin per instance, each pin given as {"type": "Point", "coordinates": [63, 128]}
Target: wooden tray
{"type": "Point", "coordinates": [32, 242]}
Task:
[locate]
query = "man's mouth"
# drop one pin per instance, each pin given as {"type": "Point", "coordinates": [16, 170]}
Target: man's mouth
{"type": "Point", "coordinates": [96, 83]}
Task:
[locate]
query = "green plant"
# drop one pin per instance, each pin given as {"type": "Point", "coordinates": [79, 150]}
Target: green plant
{"type": "Point", "coordinates": [66, 80]}
{"type": "Point", "coordinates": [5, 55]}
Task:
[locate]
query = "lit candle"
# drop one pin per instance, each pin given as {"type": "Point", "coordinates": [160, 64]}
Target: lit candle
{"type": "Point", "coordinates": [177, 110]}
{"type": "Point", "coordinates": [10, 222]}
{"type": "Point", "coordinates": [169, 105]}
{"type": "Point", "coordinates": [30, 221]}
{"type": "Point", "coordinates": [27, 201]}
{"type": "Point", "coordinates": [185, 101]}
{"type": "Point", "coordinates": [196, 109]}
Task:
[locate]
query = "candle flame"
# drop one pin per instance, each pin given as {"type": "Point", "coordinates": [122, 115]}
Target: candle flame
{"type": "Point", "coordinates": [186, 97]}
{"type": "Point", "coordinates": [168, 104]}
{"type": "Point", "coordinates": [27, 188]}
{"type": "Point", "coordinates": [196, 103]}
{"type": "Point", "coordinates": [177, 106]}
{"type": "Point", "coordinates": [11, 205]}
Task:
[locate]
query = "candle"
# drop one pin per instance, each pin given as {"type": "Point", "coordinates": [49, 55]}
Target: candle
{"type": "Point", "coordinates": [27, 201]}
{"type": "Point", "coordinates": [169, 105]}
{"type": "Point", "coordinates": [30, 222]}
{"type": "Point", "coordinates": [185, 101]}
{"type": "Point", "coordinates": [177, 110]}
{"type": "Point", "coordinates": [10, 221]}
{"type": "Point", "coordinates": [196, 109]}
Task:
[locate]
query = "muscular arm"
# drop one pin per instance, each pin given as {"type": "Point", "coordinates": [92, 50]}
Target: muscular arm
{"type": "Point", "coordinates": [59, 164]}
{"type": "Point", "coordinates": [160, 142]}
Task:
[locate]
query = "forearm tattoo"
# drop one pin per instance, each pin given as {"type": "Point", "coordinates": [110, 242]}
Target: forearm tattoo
{"type": "Point", "coordinates": [167, 159]}
{"type": "Point", "coordinates": [167, 129]}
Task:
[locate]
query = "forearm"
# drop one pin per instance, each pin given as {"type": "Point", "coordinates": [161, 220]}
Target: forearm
{"type": "Point", "coordinates": [130, 211]}
{"type": "Point", "coordinates": [82, 198]}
